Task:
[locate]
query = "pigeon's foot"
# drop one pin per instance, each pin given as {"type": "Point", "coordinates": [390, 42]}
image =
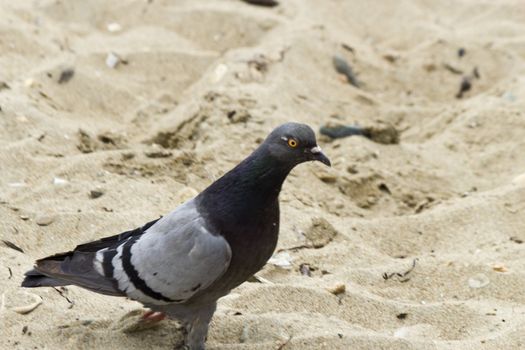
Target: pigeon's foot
{"type": "Point", "coordinates": [138, 320]}
{"type": "Point", "coordinates": [151, 317]}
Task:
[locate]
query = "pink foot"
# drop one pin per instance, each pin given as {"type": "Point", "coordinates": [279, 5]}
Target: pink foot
{"type": "Point", "coordinates": [153, 317]}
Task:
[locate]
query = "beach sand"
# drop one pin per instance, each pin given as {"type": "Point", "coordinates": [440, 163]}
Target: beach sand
{"type": "Point", "coordinates": [195, 86]}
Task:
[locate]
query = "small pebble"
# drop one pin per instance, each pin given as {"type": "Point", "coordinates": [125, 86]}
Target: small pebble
{"type": "Point", "coordinates": [112, 60]}
{"type": "Point", "coordinates": [478, 281]}
{"type": "Point", "coordinates": [114, 27]}
{"type": "Point", "coordinates": [305, 270]}
{"type": "Point", "coordinates": [66, 75]}
{"type": "Point", "coordinates": [402, 316]}
{"type": "Point", "coordinates": [59, 181]}
{"type": "Point", "coordinates": [44, 220]}
{"type": "Point", "coordinates": [29, 82]}
{"type": "Point", "coordinates": [282, 260]}
{"type": "Point", "coordinates": [96, 193]}
{"type": "Point", "coordinates": [500, 267]}
{"type": "Point", "coordinates": [339, 288]}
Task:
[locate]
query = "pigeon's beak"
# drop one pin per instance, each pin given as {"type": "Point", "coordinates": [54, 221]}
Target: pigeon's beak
{"type": "Point", "coordinates": [317, 154]}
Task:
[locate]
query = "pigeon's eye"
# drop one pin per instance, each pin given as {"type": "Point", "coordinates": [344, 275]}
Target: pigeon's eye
{"type": "Point", "coordinates": [292, 143]}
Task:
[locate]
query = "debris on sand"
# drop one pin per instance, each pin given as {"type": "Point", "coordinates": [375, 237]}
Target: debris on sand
{"type": "Point", "coordinates": [158, 153]}
{"type": "Point", "coordinates": [12, 246]}
{"type": "Point", "coordinates": [25, 309]}
{"type": "Point", "coordinates": [96, 193]}
{"type": "Point", "coordinates": [500, 267]}
{"type": "Point", "coordinates": [112, 60]}
{"type": "Point", "coordinates": [384, 134]}
{"type": "Point", "coordinates": [466, 82]}
{"type": "Point", "coordinates": [402, 316]}
{"type": "Point", "coordinates": [464, 86]}
{"type": "Point", "coordinates": [452, 69]}
{"type": "Point", "coordinates": [57, 181]}
{"type": "Point", "coordinates": [401, 275]}
{"type": "Point", "coordinates": [337, 289]}
{"type": "Point", "coordinates": [282, 260]}
{"type": "Point", "coordinates": [114, 27]}
{"type": "Point", "coordinates": [342, 67]}
{"type": "Point", "coordinates": [4, 86]}
{"type": "Point", "coordinates": [305, 270]}
{"type": "Point", "coordinates": [66, 75]}
{"type": "Point", "coordinates": [266, 3]}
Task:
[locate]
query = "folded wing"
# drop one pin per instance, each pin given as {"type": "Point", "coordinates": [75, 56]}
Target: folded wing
{"type": "Point", "coordinates": [165, 261]}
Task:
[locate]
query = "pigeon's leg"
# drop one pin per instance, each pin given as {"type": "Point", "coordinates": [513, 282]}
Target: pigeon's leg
{"type": "Point", "coordinates": [197, 326]}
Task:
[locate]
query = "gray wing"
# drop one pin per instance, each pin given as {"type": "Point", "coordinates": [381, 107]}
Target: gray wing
{"type": "Point", "coordinates": [174, 259]}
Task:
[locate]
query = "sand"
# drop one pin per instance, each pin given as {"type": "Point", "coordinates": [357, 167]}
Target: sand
{"type": "Point", "coordinates": [196, 87]}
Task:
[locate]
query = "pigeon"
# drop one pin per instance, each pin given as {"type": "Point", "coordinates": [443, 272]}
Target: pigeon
{"type": "Point", "coordinates": [181, 264]}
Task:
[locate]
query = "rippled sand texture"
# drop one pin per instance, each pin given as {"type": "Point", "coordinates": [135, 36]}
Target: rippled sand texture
{"type": "Point", "coordinates": [198, 85]}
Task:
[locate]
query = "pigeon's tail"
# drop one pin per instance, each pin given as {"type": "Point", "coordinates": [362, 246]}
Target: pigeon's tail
{"type": "Point", "coordinates": [71, 268]}
{"type": "Point", "coordinates": [36, 279]}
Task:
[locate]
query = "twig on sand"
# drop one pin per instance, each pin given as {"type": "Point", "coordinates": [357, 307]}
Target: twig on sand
{"type": "Point", "coordinates": [12, 246]}
{"type": "Point", "coordinates": [401, 275]}
{"type": "Point", "coordinates": [71, 303]}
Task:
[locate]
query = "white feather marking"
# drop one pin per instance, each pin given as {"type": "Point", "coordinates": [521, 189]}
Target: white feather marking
{"type": "Point", "coordinates": [118, 272]}
{"type": "Point", "coordinates": [126, 285]}
{"type": "Point", "coordinates": [99, 259]}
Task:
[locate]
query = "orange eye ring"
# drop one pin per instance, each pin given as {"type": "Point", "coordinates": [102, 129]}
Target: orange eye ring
{"type": "Point", "coordinates": [292, 143]}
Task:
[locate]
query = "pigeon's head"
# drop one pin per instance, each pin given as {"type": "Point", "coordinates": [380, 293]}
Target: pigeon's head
{"type": "Point", "coordinates": [294, 143]}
